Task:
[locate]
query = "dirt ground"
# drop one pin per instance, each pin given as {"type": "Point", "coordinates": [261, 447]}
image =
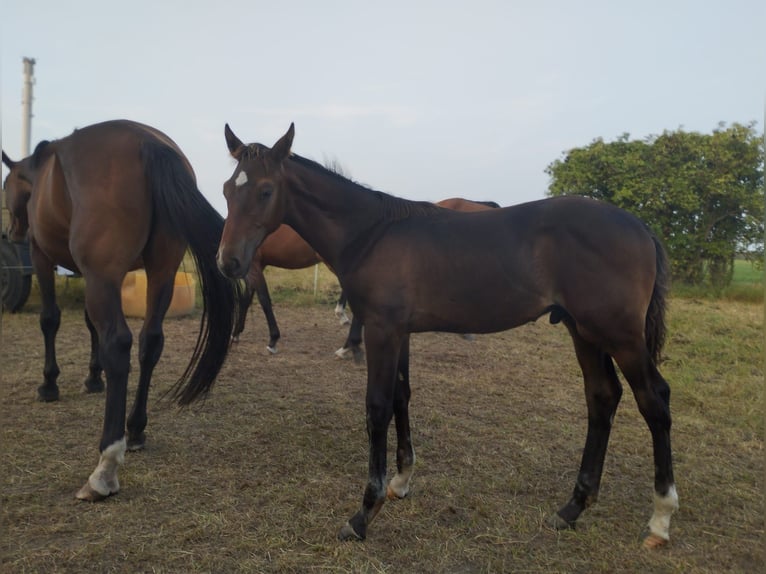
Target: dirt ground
{"type": "Point", "coordinates": [260, 476]}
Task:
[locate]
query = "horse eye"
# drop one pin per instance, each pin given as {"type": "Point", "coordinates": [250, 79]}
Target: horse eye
{"type": "Point", "coordinates": [266, 192]}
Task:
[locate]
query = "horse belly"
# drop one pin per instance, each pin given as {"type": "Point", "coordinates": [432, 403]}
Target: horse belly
{"type": "Point", "coordinates": [482, 310]}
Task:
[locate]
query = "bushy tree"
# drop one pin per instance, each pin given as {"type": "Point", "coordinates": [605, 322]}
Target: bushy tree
{"type": "Point", "coordinates": [702, 194]}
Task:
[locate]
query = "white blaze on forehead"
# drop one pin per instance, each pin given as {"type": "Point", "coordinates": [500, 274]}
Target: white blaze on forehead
{"type": "Point", "coordinates": [241, 179]}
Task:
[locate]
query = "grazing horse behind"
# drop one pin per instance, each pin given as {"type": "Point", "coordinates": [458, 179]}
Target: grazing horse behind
{"type": "Point", "coordinates": [287, 250]}
{"type": "Point", "coordinates": [102, 201]}
{"type": "Point", "coordinates": [410, 266]}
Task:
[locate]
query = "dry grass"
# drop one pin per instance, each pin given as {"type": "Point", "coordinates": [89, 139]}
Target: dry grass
{"type": "Point", "coordinates": [260, 477]}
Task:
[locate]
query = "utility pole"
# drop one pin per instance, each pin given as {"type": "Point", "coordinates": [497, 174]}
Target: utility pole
{"type": "Point", "coordinates": [26, 106]}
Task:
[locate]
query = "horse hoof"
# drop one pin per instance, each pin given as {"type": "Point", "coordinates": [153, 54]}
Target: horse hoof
{"type": "Point", "coordinates": [653, 541]}
{"type": "Point", "coordinates": [89, 494]}
{"type": "Point", "coordinates": [94, 385]}
{"type": "Point", "coordinates": [136, 444]}
{"type": "Point", "coordinates": [348, 533]}
{"type": "Point", "coordinates": [557, 523]}
{"type": "Point", "coordinates": [468, 337]}
{"type": "Point", "coordinates": [48, 394]}
{"type": "Point", "coordinates": [343, 353]}
{"type": "Point", "coordinates": [391, 494]}
{"type": "Point", "coordinates": [272, 350]}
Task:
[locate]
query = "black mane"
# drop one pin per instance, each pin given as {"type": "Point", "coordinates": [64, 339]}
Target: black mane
{"type": "Point", "coordinates": [393, 208]}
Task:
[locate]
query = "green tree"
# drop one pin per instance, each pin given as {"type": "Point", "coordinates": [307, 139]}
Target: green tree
{"type": "Point", "coordinates": [702, 194]}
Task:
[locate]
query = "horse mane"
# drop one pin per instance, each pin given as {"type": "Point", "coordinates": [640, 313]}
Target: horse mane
{"type": "Point", "coordinates": [393, 208]}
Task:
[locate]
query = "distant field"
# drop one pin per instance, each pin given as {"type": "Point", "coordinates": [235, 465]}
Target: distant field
{"type": "Point", "coordinates": [747, 272]}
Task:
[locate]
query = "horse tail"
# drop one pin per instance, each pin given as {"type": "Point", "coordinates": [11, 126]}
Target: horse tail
{"type": "Point", "coordinates": [655, 315]}
{"type": "Point", "coordinates": [180, 207]}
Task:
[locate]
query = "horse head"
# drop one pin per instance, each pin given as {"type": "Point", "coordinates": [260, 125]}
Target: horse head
{"type": "Point", "coordinates": [18, 190]}
{"type": "Point", "coordinates": [256, 198]}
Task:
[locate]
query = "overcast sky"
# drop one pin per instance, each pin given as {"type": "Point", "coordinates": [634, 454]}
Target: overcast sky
{"type": "Point", "coordinates": [424, 100]}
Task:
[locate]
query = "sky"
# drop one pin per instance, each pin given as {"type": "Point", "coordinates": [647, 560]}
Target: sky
{"type": "Point", "coordinates": [421, 99]}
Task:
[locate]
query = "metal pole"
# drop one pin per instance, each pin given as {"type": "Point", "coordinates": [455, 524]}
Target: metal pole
{"type": "Point", "coordinates": [26, 106]}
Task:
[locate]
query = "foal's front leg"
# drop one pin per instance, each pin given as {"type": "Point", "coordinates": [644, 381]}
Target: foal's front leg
{"type": "Point", "coordinates": [382, 360]}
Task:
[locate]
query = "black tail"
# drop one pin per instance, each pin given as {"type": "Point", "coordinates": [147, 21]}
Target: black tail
{"type": "Point", "coordinates": [655, 315]}
{"type": "Point", "coordinates": [180, 206]}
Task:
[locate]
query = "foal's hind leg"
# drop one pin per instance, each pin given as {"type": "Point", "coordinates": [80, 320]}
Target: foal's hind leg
{"type": "Point", "coordinates": [602, 395]}
{"type": "Point", "coordinates": [93, 383]}
{"type": "Point", "coordinates": [652, 395]}
{"type": "Point", "coordinates": [50, 320]}
{"type": "Point", "coordinates": [399, 486]}
{"type": "Point", "coordinates": [151, 341]}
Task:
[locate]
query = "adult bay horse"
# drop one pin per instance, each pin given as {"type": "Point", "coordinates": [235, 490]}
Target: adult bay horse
{"type": "Point", "coordinates": [102, 201]}
{"type": "Point", "coordinates": [410, 267]}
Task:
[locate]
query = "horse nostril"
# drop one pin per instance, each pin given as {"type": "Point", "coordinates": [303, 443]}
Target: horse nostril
{"type": "Point", "coordinates": [229, 266]}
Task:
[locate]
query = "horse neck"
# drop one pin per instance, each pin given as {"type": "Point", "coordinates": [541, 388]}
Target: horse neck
{"type": "Point", "coordinates": [328, 211]}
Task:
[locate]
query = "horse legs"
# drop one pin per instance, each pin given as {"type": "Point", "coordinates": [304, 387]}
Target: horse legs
{"type": "Point", "coordinates": [257, 282]}
{"type": "Point", "coordinates": [382, 365]}
{"type": "Point", "coordinates": [353, 345]}
{"type": "Point", "coordinates": [93, 383]}
{"type": "Point", "coordinates": [652, 394]}
{"type": "Point", "coordinates": [244, 306]}
{"type": "Point", "coordinates": [102, 301]}
{"type": "Point", "coordinates": [399, 486]}
{"type": "Point", "coordinates": [602, 394]}
{"type": "Point", "coordinates": [50, 320]}
{"type": "Point", "coordinates": [340, 309]}
{"type": "Point", "coordinates": [151, 341]}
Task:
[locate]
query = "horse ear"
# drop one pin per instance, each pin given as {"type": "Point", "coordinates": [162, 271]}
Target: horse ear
{"type": "Point", "coordinates": [8, 161]}
{"type": "Point", "coordinates": [281, 149]}
{"type": "Point", "coordinates": [236, 147]}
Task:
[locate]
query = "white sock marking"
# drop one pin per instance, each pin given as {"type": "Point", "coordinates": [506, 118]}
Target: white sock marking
{"type": "Point", "coordinates": [104, 479]}
{"type": "Point", "coordinates": [664, 506]}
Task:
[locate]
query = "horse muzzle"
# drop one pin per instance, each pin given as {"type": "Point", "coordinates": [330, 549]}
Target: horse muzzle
{"type": "Point", "coordinates": [232, 265]}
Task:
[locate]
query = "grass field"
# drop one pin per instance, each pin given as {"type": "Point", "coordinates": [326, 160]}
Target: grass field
{"type": "Point", "coordinates": [260, 477]}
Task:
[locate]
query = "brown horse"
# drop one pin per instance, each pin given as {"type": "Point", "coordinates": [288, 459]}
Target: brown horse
{"type": "Point", "coordinates": [410, 266]}
{"type": "Point", "coordinates": [287, 250]}
{"type": "Point", "coordinates": [102, 201]}
{"type": "Point", "coordinates": [352, 348]}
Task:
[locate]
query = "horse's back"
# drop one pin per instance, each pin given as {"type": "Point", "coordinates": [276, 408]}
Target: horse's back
{"type": "Point", "coordinates": [99, 172]}
{"type": "Point", "coordinates": [518, 262]}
